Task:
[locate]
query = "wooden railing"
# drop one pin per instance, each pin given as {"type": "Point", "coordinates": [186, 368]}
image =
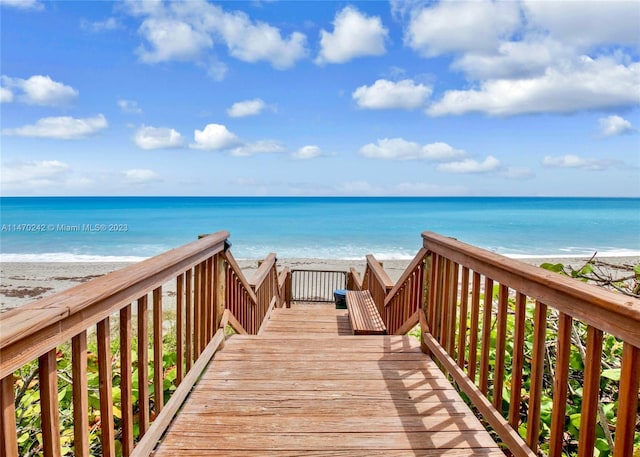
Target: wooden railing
{"type": "Point", "coordinates": [475, 324]}
{"type": "Point", "coordinates": [403, 303]}
{"type": "Point", "coordinates": [354, 282]}
{"type": "Point", "coordinates": [377, 282]}
{"type": "Point", "coordinates": [181, 299]}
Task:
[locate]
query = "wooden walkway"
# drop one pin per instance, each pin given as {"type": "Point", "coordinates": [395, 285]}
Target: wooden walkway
{"type": "Point", "coordinates": [306, 386]}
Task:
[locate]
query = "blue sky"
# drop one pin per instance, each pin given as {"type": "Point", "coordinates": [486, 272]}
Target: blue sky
{"type": "Point", "coordinates": [320, 98]}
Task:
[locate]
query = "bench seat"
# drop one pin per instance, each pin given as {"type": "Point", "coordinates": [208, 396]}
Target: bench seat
{"type": "Point", "coordinates": [363, 314]}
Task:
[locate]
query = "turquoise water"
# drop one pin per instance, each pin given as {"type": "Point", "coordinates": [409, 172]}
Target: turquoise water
{"type": "Point", "coordinates": [131, 228]}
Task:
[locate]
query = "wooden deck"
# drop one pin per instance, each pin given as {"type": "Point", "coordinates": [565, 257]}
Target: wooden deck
{"type": "Point", "coordinates": [306, 386]}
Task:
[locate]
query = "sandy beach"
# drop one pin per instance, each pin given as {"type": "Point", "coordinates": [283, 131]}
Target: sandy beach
{"type": "Point", "coordinates": [21, 283]}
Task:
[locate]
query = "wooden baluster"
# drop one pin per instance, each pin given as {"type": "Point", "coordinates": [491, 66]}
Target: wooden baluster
{"type": "Point", "coordinates": [590, 392]}
{"type": "Point", "coordinates": [220, 286]}
{"type": "Point", "coordinates": [560, 385]}
{"type": "Point", "coordinates": [501, 342]}
{"type": "Point", "coordinates": [517, 360]}
{"type": "Point", "coordinates": [179, 328]}
{"type": "Point", "coordinates": [462, 332]}
{"type": "Point", "coordinates": [537, 370]}
{"type": "Point", "coordinates": [143, 365]}
{"type": "Point", "coordinates": [47, 372]}
{"type": "Point", "coordinates": [197, 325]}
{"type": "Point", "coordinates": [80, 395]}
{"type": "Point", "coordinates": [206, 310]}
{"type": "Point", "coordinates": [426, 289]}
{"type": "Point", "coordinates": [453, 308]}
{"type": "Point", "coordinates": [203, 307]}
{"type": "Point", "coordinates": [437, 288]}
{"type": "Point", "coordinates": [473, 332]}
{"type": "Point", "coordinates": [189, 326]}
{"type": "Point", "coordinates": [445, 304]}
{"type": "Point", "coordinates": [106, 396]}
{"type": "Point", "coordinates": [628, 401]}
{"type": "Point", "coordinates": [126, 391]}
{"type": "Point", "coordinates": [8, 435]}
{"type": "Point", "coordinates": [486, 335]}
{"type": "Point", "coordinates": [158, 369]}
{"type": "Point", "coordinates": [431, 292]}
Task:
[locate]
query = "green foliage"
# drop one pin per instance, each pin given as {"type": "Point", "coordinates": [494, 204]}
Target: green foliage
{"type": "Point", "coordinates": [28, 396]}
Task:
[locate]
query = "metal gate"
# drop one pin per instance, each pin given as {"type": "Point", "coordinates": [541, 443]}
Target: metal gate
{"type": "Point", "coordinates": [316, 285]}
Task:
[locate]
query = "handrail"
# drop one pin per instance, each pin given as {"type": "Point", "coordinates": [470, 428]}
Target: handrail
{"type": "Point", "coordinates": [381, 275]}
{"type": "Point", "coordinates": [263, 271]}
{"type": "Point", "coordinates": [354, 282]}
{"type": "Point", "coordinates": [377, 282]}
{"type": "Point", "coordinates": [233, 264]}
{"type": "Point", "coordinates": [37, 327]}
{"type": "Point", "coordinates": [120, 286]}
{"type": "Point", "coordinates": [469, 297]}
{"type": "Point", "coordinates": [406, 275]}
{"type": "Point", "coordinates": [229, 319]}
{"type": "Point", "coordinates": [402, 303]}
{"type": "Point", "coordinates": [616, 314]}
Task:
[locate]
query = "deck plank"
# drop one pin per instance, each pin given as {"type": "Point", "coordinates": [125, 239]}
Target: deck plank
{"type": "Point", "coordinates": [300, 387]}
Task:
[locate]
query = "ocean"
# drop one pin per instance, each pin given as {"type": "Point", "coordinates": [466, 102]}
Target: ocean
{"type": "Point", "coordinates": [93, 229]}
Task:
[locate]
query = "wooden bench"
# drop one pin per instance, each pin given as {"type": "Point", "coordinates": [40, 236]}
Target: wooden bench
{"type": "Point", "coordinates": [363, 314]}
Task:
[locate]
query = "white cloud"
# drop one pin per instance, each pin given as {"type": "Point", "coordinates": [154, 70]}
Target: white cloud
{"type": "Point", "coordinates": [614, 125]}
{"type": "Point", "coordinates": [517, 173]}
{"type": "Point", "coordinates": [354, 35]}
{"type": "Point", "coordinates": [247, 108]}
{"type": "Point", "coordinates": [100, 26]}
{"type": "Point", "coordinates": [6, 96]}
{"type": "Point", "coordinates": [140, 176]}
{"type": "Point", "coordinates": [514, 59]}
{"type": "Point", "coordinates": [147, 137]}
{"type": "Point", "coordinates": [307, 152]}
{"type": "Point", "coordinates": [62, 128]}
{"type": "Point", "coordinates": [403, 188]}
{"type": "Point", "coordinates": [420, 188]}
{"type": "Point", "coordinates": [214, 137]}
{"type": "Point", "coordinates": [254, 42]}
{"type": "Point", "coordinates": [401, 149]}
{"type": "Point", "coordinates": [530, 56]}
{"type": "Point", "coordinates": [129, 106]}
{"type": "Point", "coordinates": [384, 94]}
{"type": "Point", "coordinates": [356, 188]}
{"type": "Point", "coordinates": [41, 90]}
{"type": "Point", "coordinates": [171, 40]}
{"type": "Point", "coordinates": [33, 173]}
{"type": "Point", "coordinates": [590, 84]}
{"type": "Point", "coordinates": [470, 166]}
{"type": "Point", "coordinates": [586, 23]}
{"type": "Point", "coordinates": [23, 4]}
{"type": "Point", "coordinates": [573, 161]}
{"type": "Point", "coordinates": [185, 30]}
{"type": "Point", "coordinates": [461, 26]}
{"type": "Point", "coordinates": [259, 147]}
{"type": "Point", "coordinates": [217, 70]}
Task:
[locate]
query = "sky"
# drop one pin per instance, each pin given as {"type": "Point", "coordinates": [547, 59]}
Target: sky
{"type": "Point", "coordinates": [331, 98]}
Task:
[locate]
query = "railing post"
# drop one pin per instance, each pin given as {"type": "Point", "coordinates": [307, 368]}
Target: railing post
{"type": "Point", "coordinates": [48, 376]}
{"type": "Point", "coordinates": [220, 285]}
{"type": "Point", "coordinates": [8, 440]}
{"type": "Point", "coordinates": [426, 289]}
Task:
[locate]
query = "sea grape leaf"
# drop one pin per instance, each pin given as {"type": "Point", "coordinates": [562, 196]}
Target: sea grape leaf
{"type": "Point", "coordinates": [575, 361]}
{"type": "Point", "coordinates": [555, 267]}
{"type": "Point", "coordinates": [612, 373]}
